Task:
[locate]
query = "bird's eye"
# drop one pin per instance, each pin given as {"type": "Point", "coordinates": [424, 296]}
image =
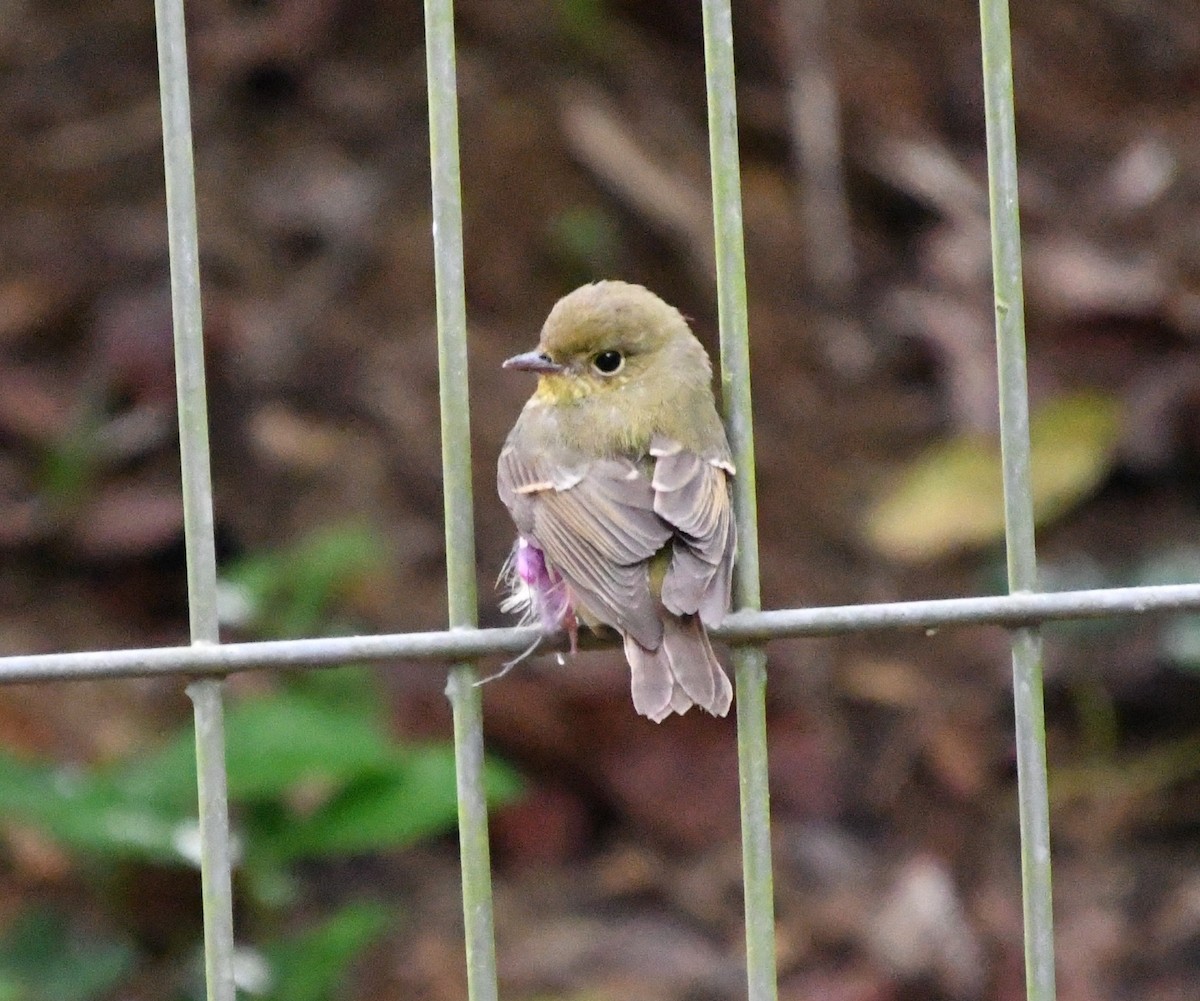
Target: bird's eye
{"type": "Point", "coordinates": [608, 362]}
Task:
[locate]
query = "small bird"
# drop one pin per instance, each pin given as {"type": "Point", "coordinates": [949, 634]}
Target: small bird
{"type": "Point", "coordinates": [617, 475]}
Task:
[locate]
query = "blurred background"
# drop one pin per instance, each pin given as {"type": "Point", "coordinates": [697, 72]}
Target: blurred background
{"type": "Point", "coordinates": [585, 156]}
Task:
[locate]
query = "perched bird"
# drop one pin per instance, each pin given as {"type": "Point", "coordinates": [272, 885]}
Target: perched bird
{"type": "Point", "coordinates": [617, 476]}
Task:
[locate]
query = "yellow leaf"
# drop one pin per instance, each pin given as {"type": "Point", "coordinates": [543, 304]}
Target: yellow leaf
{"type": "Point", "coordinates": [951, 496]}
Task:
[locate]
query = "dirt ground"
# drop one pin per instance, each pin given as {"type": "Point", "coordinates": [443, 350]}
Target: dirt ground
{"type": "Point", "coordinates": [584, 156]}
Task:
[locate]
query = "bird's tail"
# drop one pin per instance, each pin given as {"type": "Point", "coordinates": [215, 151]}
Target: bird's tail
{"type": "Point", "coordinates": [683, 671]}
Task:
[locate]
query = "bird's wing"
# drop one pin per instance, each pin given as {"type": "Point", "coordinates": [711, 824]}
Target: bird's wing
{"type": "Point", "coordinates": [691, 493]}
{"type": "Point", "coordinates": [597, 526]}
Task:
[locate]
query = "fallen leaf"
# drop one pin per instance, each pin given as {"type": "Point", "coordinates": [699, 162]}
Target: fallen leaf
{"type": "Point", "coordinates": [951, 496]}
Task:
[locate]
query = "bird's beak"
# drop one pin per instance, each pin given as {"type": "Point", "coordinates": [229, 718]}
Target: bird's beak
{"type": "Point", "coordinates": [533, 361]}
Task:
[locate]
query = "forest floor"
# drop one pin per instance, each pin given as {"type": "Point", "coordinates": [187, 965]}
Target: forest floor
{"type": "Point", "coordinates": [584, 156]}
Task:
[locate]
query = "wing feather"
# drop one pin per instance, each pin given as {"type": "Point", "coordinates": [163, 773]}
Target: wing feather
{"type": "Point", "coordinates": [599, 523]}
{"type": "Point", "coordinates": [691, 493]}
{"type": "Point", "coordinates": [598, 530]}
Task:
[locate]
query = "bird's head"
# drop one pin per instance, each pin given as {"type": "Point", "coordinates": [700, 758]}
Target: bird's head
{"type": "Point", "coordinates": [611, 338]}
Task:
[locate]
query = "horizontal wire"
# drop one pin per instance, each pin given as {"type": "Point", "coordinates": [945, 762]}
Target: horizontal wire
{"type": "Point", "coordinates": [1010, 610]}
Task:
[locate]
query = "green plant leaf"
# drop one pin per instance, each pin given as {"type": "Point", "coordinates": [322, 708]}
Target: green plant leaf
{"type": "Point", "coordinates": [86, 812]}
{"type": "Point", "coordinates": [311, 966]}
{"type": "Point", "coordinates": [272, 743]}
{"type": "Point", "coordinates": [951, 497]}
{"type": "Point", "coordinates": [311, 780]}
{"type": "Point", "coordinates": [414, 797]}
{"type": "Point", "coordinates": [353, 688]}
{"type": "Point", "coordinates": [306, 778]}
{"type": "Point", "coordinates": [289, 592]}
{"type": "Point", "coordinates": [43, 959]}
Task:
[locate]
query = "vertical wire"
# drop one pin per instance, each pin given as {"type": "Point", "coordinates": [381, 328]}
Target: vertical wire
{"type": "Point", "coordinates": [749, 662]}
{"type": "Point", "coordinates": [1028, 705]}
{"type": "Point", "coordinates": [478, 919]}
{"type": "Point", "coordinates": [206, 695]}
{"type": "Point", "coordinates": [215, 856]}
{"type": "Point", "coordinates": [464, 695]}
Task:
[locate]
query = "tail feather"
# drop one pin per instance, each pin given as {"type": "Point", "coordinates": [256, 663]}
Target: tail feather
{"type": "Point", "coordinates": [650, 680]}
{"type": "Point", "coordinates": [683, 671]}
{"type": "Point", "coordinates": [680, 703]}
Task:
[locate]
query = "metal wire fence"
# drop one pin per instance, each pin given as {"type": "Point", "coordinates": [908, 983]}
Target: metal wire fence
{"type": "Point", "coordinates": [206, 661]}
